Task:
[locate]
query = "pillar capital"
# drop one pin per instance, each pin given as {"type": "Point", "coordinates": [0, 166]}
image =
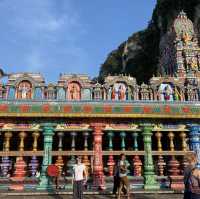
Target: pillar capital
{"type": "Point", "coordinates": [48, 128]}
{"type": "Point", "coordinates": [98, 125]}
{"type": "Point", "coordinates": [98, 128]}
{"type": "Point", "coordinates": [110, 134]}
{"type": "Point", "coordinates": [147, 128]}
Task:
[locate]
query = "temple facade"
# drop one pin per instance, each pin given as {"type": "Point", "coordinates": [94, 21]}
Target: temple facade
{"type": "Point", "coordinates": [153, 124]}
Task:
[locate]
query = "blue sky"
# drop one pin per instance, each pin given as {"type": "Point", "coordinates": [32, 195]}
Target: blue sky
{"type": "Point", "coordinates": [71, 36]}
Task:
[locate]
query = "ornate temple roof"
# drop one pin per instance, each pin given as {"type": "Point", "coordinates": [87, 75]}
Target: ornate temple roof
{"type": "Point", "coordinates": [35, 78]}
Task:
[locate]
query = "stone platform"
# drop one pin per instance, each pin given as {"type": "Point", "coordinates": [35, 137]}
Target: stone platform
{"type": "Point", "coordinates": [88, 195]}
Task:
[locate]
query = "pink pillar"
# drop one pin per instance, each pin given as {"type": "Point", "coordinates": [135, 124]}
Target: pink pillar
{"type": "Point", "coordinates": [98, 160]}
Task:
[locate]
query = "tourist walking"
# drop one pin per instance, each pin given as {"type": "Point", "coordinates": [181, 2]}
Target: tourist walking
{"type": "Point", "coordinates": [123, 178]}
{"type": "Point", "coordinates": [116, 178]}
{"type": "Point", "coordinates": [79, 178]}
{"type": "Point", "coordinates": [192, 178]}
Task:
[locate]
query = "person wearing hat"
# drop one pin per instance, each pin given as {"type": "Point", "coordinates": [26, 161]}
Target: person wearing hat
{"type": "Point", "coordinates": [79, 177]}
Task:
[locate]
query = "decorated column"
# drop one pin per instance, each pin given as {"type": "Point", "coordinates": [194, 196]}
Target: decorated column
{"type": "Point", "coordinates": [33, 166]}
{"type": "Point", "coordinates": [111, 161]}
{"type": "Point", "coordinates": [137, 163]}
{"type": "Point", "coordinates": [98, 176]}
{"type": "Point", "coordinates": [149, 174]}
{"type": "Point", "coordinates": [59, 161]}
{"type": "Point", "coordinates": [160, 163]}
{"type": "Point", "coordinates": [85, 157]}
{"type": "Point", "coordinates": [72, 161]}
{"type": "Point", "coordinates": [123, 144]}
{"type": "Point", "coordinates": [20, 167]}
{"type": "Point", "coordinates": [48, 132]}
{"type": "Point", "coordinates": [176, 180]}
{"type": "Point", "coordinates": [6, 163]}
{"type": "Point", "coordinates": [195, 141]}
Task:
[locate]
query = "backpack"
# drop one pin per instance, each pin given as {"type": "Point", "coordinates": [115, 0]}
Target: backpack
{"type": "Point", "coordinates": [194, 183]}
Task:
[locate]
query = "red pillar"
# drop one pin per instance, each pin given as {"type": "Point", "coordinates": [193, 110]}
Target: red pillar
{"type": "Point", "coordinates": [98, 160]}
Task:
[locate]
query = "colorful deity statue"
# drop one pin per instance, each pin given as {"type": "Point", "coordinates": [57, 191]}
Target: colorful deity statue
{"type": "Point", "coordinates": [74, 91]}
{"type": "Point", "coordinates": [24, 90]}
{"type": "Point", "coordinates": [167, 93]}
{"type": "Point", "coordinates": [144, 92]}
{"type": "Point", "coordinates": [113, 93]}
{"type": "Point", "coordinates": [121, 93]}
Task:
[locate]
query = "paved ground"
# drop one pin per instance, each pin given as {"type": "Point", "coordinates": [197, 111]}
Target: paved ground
{"type": "Point", "coordinates": [134, 196]}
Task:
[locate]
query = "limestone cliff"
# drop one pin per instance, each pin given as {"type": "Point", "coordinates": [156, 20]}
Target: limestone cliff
{"type": "Point", "coordinates": [139, 55]}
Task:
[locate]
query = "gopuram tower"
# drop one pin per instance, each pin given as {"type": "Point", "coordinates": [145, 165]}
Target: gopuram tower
{"type": "Point", "coordinates": [180, 52]}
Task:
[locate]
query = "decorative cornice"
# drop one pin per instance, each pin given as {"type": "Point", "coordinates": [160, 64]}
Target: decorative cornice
{"type": "Point", "coordinates": [99, 109]}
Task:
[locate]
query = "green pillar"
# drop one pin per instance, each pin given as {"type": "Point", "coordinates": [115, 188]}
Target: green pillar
{"type": "Point", "coordinates": [48, 132]}
{"type": "Point", "coordinates": [123, 144]}
{"type": "Point", "coordinates": [110, 138]}
{"type": "Point", "coordinates": [150, 182]}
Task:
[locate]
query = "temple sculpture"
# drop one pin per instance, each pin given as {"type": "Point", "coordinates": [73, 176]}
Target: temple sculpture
{"type": "Point", "coordinates": [154, 124]}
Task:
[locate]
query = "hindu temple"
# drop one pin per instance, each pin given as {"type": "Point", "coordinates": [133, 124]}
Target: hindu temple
{"type": "Point", "coordinates": [153, 124]}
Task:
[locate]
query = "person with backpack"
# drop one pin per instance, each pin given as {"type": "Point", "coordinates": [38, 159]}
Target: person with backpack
{"type": "Point", "coordinates": [192, 178]}
{"type": "Point", "coordinates": [123, 178]}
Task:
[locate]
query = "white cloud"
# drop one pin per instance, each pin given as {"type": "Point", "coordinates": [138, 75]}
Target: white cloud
{"type": "Point", "coordinates": [40, 27]}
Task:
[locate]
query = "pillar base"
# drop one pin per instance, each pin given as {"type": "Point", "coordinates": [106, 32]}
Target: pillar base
{"type": "Point", "coordinates": [45, 184]}
{"type": "Point", "coordinates": [176, 182]}
{"type": "Point", "coordinates": [150, 183]}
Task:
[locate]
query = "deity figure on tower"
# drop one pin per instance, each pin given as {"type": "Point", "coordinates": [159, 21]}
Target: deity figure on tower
{"type": "Point", "coordinates": [167, 93]}
{"type": "Point", "coordinates": [113, 93]}
{"type": "Point", "coordinates": [121, 93]}
{"type": "Point", "coordinates": [24, 90]}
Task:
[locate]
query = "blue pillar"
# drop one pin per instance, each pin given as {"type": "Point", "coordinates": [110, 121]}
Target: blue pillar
{"type": "Point", "coordinates": [195, 141]}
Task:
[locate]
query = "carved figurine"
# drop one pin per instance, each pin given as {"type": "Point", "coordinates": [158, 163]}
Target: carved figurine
{"type": "Point", "coordinates": [121, 93]}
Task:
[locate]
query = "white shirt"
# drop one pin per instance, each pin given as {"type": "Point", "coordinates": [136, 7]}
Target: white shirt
{"type": "Point", "coordinates": [78, 171]}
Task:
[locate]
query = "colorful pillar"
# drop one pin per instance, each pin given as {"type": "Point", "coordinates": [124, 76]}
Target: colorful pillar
{"type": "Point", "coordinates": [98, 159]}
{"type": "Point", "coordinates": [195, 141]}
{"type": "Point", "coordinates": [111, 162]}
{"type": "Point", "coordinates": [86, 160]}
{"type": "Point", "coordinates": [33, 166]}
{"type": "Point", "coordinates": [48, 132]}
{"type": "Point", "coordinates": [123, 144]}
{"type": "Point", "coordinates": [149, 174]}
{"type": "Point", "coordinates": [6, 163]}
{"type": "Point", "coordinates": [137, 163]}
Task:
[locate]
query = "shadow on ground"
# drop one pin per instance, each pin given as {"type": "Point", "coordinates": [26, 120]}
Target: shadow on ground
{"type": "Point", "coordinates": [134, 196]}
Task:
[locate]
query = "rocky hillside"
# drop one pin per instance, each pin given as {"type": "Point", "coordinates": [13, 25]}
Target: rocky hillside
{"type": "Point", "coordinates": [139, 55]}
